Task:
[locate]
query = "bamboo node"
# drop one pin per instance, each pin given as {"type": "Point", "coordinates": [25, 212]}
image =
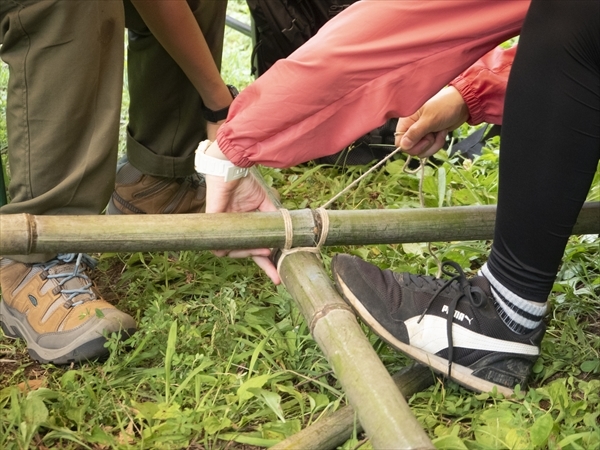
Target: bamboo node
{"type": "Point", "coordinates": [32, 233]}
{"type": "Point", "coordinates": [326, 310]}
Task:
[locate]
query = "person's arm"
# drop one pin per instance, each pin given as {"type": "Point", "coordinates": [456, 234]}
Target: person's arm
{"type": "Point", "coordinates": [422, 134]}
{"type": "Point", "coordinates": [175, 27]}
{"type": "Point", "coordinates": [373, 61]}
{"type": "Point", "coordinates": [475, 96]}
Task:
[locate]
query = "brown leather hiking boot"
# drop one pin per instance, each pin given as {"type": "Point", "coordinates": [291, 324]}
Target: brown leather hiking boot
{"type": "Point", "coordinates": [55, 308]}
{"type": "Point", "coordinates": [136, 193]}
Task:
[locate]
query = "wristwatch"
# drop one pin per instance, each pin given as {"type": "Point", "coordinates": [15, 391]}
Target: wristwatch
{"type": "Point", "coordinates": [221, 114]}
{"type": "Point", "coordinates": [208, 165]}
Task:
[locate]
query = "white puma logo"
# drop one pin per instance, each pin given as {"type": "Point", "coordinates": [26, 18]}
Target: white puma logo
{"type": "Point", "coordinates": [457, 315]}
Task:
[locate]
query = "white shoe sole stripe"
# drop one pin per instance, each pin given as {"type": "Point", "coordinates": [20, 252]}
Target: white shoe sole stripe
{"type": "Point", "coordinates": [431, 335]}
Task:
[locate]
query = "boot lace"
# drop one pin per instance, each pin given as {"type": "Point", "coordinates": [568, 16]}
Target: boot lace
{"type": "Point", "coordinates": [81, 261]}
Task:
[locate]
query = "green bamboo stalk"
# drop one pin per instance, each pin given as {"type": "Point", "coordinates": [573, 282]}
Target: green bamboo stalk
{"type": "Point", "coordinates": [331, 432]}
{"type": "Point", "coordinates": [23, 234]}
{"type": "Point", "coordinates": [380, 406]}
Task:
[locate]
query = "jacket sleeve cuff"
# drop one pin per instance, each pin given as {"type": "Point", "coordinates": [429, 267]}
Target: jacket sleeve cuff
{"type": "Point", "coordinates": [476, 115]}
{"type": "Point", "coordinates": [483, 85]}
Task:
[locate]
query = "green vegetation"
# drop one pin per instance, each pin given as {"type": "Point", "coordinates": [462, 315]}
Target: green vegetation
{"type": "Point", "coordinates": [224, 360]}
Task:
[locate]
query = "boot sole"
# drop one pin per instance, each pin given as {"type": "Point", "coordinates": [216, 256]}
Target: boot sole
{"type": "Point", "coordinates": [460, 374]}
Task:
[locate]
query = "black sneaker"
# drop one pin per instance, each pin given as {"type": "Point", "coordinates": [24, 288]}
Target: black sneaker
{"type": "Point", "coordinates": [413, 314]}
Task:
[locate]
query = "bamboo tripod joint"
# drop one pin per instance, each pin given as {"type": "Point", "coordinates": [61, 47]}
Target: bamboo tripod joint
{"type": "Point", "coordinates": [320, 229]}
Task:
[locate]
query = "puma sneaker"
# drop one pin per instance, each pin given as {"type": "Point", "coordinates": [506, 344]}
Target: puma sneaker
{"type": "Point", "coordinates": [450, 325]}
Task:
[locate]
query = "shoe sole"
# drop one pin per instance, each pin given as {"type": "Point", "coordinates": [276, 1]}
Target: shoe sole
{"type": "Point", "coordinates": [81, 349]}
{"type": "Point", "coordinates": [460, 374]}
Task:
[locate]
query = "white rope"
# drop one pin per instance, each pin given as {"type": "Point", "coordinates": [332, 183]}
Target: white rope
{"type": "Point", "coordinates": [322, 211]}
{"type": "Point", "coordinates": [324, 226]}
{"type": "Point", "coordinates": [289, 228]}
{"type": "Point", "coordinates": [343, 191]}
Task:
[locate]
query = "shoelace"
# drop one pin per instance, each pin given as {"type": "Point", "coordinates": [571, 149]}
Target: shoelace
{"type": "Point", "coordinates": [196, 180]}
{"type": "Point", "coordinates": [78, 272]}
{"type": "Point", "coordinates": [467, 291]}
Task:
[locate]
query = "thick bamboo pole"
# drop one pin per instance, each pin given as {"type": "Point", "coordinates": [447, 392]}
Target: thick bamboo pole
{"type": "Point", "coordinates": [25, 234]}
{"type": "Point", "coordinates": [332, 431]}
{"type": "Point", "coordinates": [317, 310]}
{"type": "Point", "coordinates": [380, 406]}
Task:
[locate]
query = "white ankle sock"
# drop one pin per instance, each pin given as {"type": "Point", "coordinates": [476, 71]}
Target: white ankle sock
{"type": "Point", "coordinates": [519, 314]}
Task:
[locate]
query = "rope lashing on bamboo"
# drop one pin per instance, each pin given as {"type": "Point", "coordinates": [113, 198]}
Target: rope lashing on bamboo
{"type": "Point", "coordinates": [289, 235]}
{"type": "Point", "coordinates": [322, 211]}
{"type": "Point", "coordinates": [289, 229]}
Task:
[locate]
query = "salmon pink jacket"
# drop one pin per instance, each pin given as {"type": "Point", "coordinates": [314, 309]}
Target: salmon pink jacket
{"type": "Point", "coordinates": [376, 60]}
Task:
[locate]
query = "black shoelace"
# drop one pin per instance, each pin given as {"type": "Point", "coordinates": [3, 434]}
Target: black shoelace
{"type": "Point", "coordinates": [467, 291]}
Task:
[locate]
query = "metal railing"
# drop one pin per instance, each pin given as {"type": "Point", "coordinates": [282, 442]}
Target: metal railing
{"type": "Point", "coordinates": [238, 25]}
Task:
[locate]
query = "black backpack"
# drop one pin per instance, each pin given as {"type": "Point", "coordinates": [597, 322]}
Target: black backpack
{"type": "Point", "coordinates": [281, 26]}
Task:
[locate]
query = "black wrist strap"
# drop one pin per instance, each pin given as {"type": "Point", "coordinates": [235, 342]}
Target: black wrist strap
{"type": "Point", "coordinates": [221, 114]}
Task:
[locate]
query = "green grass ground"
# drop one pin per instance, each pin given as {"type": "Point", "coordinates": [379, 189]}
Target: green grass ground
{"type": "Point", "coordinates": [224, 360]}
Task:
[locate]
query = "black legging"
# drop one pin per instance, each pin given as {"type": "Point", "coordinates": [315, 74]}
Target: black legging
{"type": "Point", "coordinates": [550, 143]}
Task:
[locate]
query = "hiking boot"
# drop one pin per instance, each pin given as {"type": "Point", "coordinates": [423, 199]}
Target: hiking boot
{"type": "Point", "coordinates": [137, 193]}
{"type": "Point", "coordinates": [55, 308]}
{"type": "Point", "coordinates": [450, 325]}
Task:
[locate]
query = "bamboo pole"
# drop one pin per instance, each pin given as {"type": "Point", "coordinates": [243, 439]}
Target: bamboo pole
{"type": "Point", "coordinates": [332, 431]}
{"type": "Point", "coordinates": [381, 408]}
{"type": "Point", "coordinates": [22, 234]}
{"type": "Point", "coordinates": [316, 309]}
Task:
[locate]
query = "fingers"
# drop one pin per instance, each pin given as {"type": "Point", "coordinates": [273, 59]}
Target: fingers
{"type": "Point", "coordinates": [424, 133]}
{"type": "Point", "coordinates": [437, 144]}
{"type": "Point", "coordinates": [268, 267]}
{"type": "Point", "coordinates": [260, 257]}
{"type": "Point", "coordinates": [267, 205]}
{"type": "Point", "coordinates": [416, 134]}
{"type": "Point", "coordinates": [404, 123]}
{"type": "Point", "coordinates": [430, 144]}
{"type": "Point", "coordinates": [242, 253]}
{"type": "Point", "coordinates": [420, 146]}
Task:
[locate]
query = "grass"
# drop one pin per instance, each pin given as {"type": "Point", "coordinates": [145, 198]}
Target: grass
{"type": "Point", "coordinates": [224, 360]}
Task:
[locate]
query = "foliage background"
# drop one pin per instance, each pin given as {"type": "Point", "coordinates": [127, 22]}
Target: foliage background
{"type": "Point", "coordinates": [223, 358]}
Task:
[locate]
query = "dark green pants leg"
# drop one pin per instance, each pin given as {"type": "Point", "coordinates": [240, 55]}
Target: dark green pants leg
{"type": "Point", "coordinates": [65, 63]}
{"type": "Point", "coordinates": [165, 120]}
